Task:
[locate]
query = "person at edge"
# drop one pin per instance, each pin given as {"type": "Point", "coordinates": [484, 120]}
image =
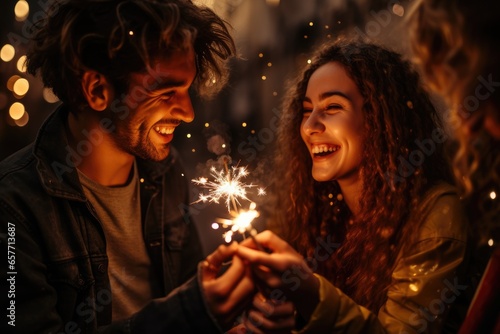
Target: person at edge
{"type": "Point", "coordinates": [376, 239]}
{"type": "Point", "coordinates": [459, 59]}
{"type": "Point", "coordinates": [103, 241]}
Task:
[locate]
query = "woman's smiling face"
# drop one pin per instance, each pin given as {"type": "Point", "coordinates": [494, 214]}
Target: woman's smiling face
{"type": "Point", "coordinates": [332, 124]}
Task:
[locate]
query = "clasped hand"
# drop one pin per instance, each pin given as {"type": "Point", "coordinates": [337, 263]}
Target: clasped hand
{"type": "Point", "coordinates": [269, 288]}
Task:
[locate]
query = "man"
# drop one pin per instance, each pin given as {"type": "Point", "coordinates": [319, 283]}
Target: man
{"type": "Point", "coordinates": [93, 211]}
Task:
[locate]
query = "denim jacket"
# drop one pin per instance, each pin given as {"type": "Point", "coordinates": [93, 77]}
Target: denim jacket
{"type": "Point", "coordinates": [60, 268]}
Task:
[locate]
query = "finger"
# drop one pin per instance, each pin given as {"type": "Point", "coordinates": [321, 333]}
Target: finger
{"type": "Point", "coordinates": [266, 280]}
{"type": "Point", "coordinates": [267, 239]}
{"type": "Point", "coordinates": [260, 321]}
{"type": "Point", "coordinates": [224, 284]}
{"type": "Point", "coordinates": [277, 262]}
{"type": "Point", "coordinates": [222, 254]}
{"type": "Point", "coordinates": [213, 263]}
{"type": "Point", "coordinates": [236, 302]}
{"type": "Point", "coordinates": [252, 325]}
{"type": "Point", "coordinates": [274, 309]}
{"type": "Point", "coordinates": [241, 297]}
{"type": "Point", "coordinates": [239, 329]}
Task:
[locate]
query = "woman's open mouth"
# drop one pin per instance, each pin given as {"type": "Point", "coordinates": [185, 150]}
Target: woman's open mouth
{"type": "Point", "coordinates": [324, 150]}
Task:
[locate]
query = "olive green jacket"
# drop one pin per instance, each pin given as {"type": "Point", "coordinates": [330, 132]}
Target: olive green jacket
{"type": "Point", "coordinates": [426, 282]}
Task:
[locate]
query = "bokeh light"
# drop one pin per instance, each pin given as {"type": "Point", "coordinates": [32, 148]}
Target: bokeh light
{"type": "Point", "coordinates": [21, 87]}
{"type": "Point", "coordinates": [16, 111]}
{"type": "Point", "coordinates": [23, 120]}
{"type": "Point", "coordinates": [12, 80]}
{"type": "Point", "coordinates": [21, 64]}
{"type": "Point", "coordinates": [7, 52]}
{"type": "Point", "coordinates": [398, 9]}
{"type": "Point", "coordinates": [21, 10]}
{"type": "Point", "coordinates": [49, 96]}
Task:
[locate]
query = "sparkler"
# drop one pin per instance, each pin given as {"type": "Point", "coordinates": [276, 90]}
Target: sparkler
{"type": "Point", "coordinates": [228, 186]}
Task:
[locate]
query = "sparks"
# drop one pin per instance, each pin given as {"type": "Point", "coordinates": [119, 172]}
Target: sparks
{"type": "Point", "coordinates": [227, 186]}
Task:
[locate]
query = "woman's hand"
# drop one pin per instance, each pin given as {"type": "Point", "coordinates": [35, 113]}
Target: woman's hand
{"type": "Point", "coordinates": [282, 271]}
{"type": "Point", "coordinates": [229, 293]}
{"type": "Point", "coordinates": [268, 316]}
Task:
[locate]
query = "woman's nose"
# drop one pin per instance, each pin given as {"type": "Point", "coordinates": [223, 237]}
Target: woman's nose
{"type": "Point", "coordinates": [313, 124]}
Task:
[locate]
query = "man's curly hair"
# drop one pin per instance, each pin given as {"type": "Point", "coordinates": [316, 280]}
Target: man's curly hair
{"type": "Point", "coordinates": [119, 37]}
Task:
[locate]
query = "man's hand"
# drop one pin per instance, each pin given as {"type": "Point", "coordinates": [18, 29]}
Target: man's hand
{"type": "Point", "coordinates": [228, 294]}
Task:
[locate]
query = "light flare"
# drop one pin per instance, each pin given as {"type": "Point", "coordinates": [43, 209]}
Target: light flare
{"type": "Point", "coordinates": [227, 185]}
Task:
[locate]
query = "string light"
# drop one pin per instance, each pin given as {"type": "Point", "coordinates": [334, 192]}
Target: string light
{"type": "Point", "coordinates": [493, 195]}
{"type": "Point", "coordinates": [244, 124]}
{"type": "Point", "coordinates": [188, 135]}
{"type": "Point", "coordinates": [207, 125]}
{"type": "Point", "coordinates": [264, 77]}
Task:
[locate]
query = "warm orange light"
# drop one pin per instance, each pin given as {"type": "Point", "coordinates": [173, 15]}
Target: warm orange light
{"type": "Point", "coordinates": [23, 120]}
{"type": "Point", "coordinates": [21, 64]}
{"type": "Point", "coordinates": [22, 9]}
{"type": "Point", "coordinates": [12, 80]}
{"type": "Point", "coordinates": [16, 111]}
{"type": "Point", "coordinates": [49, 95]}
{"type": "Point", "coordinates": [7, 52]}
{"type": "Point", "coordinates": [21, 87]}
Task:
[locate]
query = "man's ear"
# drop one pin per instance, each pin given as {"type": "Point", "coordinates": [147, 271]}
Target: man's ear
{"type": "Point", "coordinates": [97, 90]}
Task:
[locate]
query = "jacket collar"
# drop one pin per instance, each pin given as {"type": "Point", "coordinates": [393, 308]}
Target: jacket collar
{"type": "Point", "coordinates": [54, 156]}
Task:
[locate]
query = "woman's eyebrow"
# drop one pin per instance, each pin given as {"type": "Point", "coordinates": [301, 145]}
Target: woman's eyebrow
{"type": "Point", "coordinates": [328, 94]}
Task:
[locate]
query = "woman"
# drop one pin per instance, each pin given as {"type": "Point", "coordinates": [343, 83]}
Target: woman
{"type": "Point", "coordinates": [366, 200]}
{"type": "Point", "coordinates": [459, 57]}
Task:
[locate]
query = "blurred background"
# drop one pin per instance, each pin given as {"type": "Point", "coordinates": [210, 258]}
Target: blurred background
{"type": "Point", "coordinates": [274, 39]}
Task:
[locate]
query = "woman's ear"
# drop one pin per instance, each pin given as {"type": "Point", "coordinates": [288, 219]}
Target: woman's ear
{"type": "Point", "coordinates": [97, 90]}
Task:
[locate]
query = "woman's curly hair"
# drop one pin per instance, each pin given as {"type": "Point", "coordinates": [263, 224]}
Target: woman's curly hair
{"type": "Point", "coordinates": [398, 116]}
{"type": "Point", "coordinates": [118, 37]}
{"type": "Point", "coordinates": [457, 45]}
